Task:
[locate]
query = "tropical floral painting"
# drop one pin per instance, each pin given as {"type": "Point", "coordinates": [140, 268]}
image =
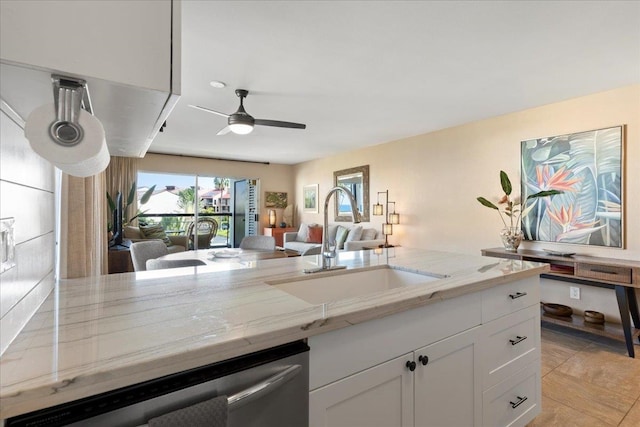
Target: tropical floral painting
{"type": "Point", "coordinates": [587, 168]}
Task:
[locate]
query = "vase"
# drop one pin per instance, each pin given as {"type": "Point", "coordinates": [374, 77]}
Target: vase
{"type": "Point", "coordinates": [511, 238]}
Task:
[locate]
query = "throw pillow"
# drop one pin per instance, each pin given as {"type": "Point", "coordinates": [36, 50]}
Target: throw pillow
{"type": "Point", "coordinates": [355, 234]}
{"type": "Point", "coordinates": [155, 231]}
{"type": "Point", "coordinates": [132, 232]}
{"type": "Point", "coordinates": [341, 236]}
{"type": "Point", "coordinates": [369, 234]}
{"type": "Point", "coordinates": [303, 233]}
{"type": "Point", "coordinates": [315, 235]}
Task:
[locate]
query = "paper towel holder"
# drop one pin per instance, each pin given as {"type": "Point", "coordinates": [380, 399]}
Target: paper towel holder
{"type": "Point", "coordinates": [69, 95]}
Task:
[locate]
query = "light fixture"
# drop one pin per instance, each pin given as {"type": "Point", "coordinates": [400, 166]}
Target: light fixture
{"type": "Point", "coordinates": [241, 128]}
{"type": "Point", "coordinates": [391, 219]}
{"type": "Point", "coordinates": [217, 84]}
{"type": "Point", "coordinates": [387, 230]}
{"type": "Point", "coordinates": [272, 218]}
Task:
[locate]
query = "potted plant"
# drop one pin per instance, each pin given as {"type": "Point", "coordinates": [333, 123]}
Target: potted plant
{"type": "Point", "coordinates": [515, 210]}
{"type": "Point", "coordinates": [130, 199]}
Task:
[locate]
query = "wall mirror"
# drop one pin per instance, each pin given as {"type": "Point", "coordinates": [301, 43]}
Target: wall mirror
{"type": "Point", "coordinates": [355, 180]}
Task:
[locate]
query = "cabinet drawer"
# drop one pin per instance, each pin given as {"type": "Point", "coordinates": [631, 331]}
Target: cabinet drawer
{"type": "Point", "coordinates": [603, 272]}
{"type": "Point", "coordinates": [509, 344]}
{"type": "Point", "coordinates": [515, 401]}
{"type": "Point", "coordinates": [509, 298]}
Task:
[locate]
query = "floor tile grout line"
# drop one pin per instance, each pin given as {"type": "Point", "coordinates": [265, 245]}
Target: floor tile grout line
{"type": "Point", "coordinates": [557, 402]}
{"type": "Point", "coordinates": [587, 346]}
{"type": "Point", "coordinates": [578, 380]}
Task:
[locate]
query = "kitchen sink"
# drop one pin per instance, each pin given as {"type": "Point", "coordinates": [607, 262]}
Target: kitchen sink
{"type": "Point", "coordinates": [351, 283]}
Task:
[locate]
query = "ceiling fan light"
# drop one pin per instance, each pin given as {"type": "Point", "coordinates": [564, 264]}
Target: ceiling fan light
{"type": "Point", "coordinates": [241, 128]}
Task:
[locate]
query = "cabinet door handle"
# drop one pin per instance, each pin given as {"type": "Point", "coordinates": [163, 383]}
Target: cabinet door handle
{"type": "Point", "coordinates": [411, 365]}
{"type": "Point", "coordinates": [519, 402]}
{"type": "Point", "coordinates": [517, 295]}
{"type": "Point", "coordinates": [517, 340]}
{"type": "Point", "coordinates": [423, 359]}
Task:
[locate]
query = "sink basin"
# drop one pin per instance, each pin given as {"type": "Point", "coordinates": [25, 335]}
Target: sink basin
{"type": "Point", "coordinates": [351, 283]}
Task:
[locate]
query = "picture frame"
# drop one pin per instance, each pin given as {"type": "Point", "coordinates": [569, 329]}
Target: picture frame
{"type": "Point", "coordinates": [310, 198]}
{"type": "Point", "coordinates": [275, 199]}
{"type": "Point", "coordinates": [587, 167]}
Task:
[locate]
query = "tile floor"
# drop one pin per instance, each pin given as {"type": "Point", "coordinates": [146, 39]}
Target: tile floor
{"type": "Point", "coordinates": [587, 381]}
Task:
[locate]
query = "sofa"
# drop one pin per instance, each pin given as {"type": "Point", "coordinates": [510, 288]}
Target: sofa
{"type": "Point", "coordinates": [174, 243]}
{"type": "Point", "coordinates": [352, 237]}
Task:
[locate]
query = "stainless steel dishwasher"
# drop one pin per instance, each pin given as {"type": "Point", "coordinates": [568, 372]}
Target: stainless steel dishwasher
{"type": "Point", "coordinates": [267, 388]}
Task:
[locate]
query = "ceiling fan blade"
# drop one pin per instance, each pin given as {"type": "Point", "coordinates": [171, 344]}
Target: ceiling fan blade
{"type": "Point", "coordinates": [225, 130]}
{"type": "Point", "coordinates": [209, 110]}
{"type": "Point", "coordinates": [280, 124]}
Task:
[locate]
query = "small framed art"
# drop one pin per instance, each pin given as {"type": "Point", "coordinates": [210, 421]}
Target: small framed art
{"type": "Point", "coordinates": [310, 198]}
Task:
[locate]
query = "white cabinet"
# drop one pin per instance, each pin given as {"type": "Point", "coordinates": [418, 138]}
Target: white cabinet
{"type": "Point", "coordinates": [447, 388]}
{"type": "Point", "coordinates": [126, 42]}
{"type": "Point", "coordinates": [477, 362]}
{"type": "Point", "coordinates": [129, 53]}
{"type": "Point", "coordinates": [438, 384]}
{"type": "Point", "coordinates": [381, 396]}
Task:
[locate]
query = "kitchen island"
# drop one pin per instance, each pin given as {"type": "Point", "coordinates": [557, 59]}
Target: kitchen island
{"type": "Point", "coordinates": [97, 334]}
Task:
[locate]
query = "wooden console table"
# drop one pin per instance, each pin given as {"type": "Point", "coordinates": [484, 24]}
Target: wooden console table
{"type": "Point", "coordinates": [623, 276]}
{"type": "Point", "coordinates": [277, 233]}
{"type": "Point", "coordinates": [120, 260]}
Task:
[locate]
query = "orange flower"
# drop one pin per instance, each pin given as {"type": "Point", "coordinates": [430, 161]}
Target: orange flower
{"type": "Point", "coordinates": [568, 219]}
{"type": "Point", "coordinates": [550, 180]}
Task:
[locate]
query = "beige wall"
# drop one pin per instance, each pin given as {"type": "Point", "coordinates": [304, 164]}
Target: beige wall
{"type": "Point", "coordinates": [27, 195]}
{"type": "Point", "coordinates": [435, 178]}
{"type": "Point", "coordinates": [273, 177]}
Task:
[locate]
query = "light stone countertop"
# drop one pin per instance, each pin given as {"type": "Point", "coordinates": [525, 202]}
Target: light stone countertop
{"type": "Point", "coordinates": [97, 334]}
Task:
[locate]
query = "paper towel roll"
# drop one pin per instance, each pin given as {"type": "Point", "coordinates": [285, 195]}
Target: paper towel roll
{"type": "Point", "coordinates": [88, 157]}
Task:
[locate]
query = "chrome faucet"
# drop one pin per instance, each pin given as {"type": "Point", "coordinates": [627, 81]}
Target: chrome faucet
{"type": "Point", "coordinates": [327, 252]}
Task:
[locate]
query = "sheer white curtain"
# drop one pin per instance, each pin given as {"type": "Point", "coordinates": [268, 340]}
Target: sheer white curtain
{"type": "Point", "coordinates": [83, 236]}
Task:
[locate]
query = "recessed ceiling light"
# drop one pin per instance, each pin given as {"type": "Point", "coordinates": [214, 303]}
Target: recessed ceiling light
{"type": "Point", "coordinates": [217, 84]}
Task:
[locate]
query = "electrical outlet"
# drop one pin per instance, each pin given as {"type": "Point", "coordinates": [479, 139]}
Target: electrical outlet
{"type": "Point", "coordinates": [574, 292]}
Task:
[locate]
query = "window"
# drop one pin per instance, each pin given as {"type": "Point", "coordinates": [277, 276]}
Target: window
{"type": "Point", "coordinates": [176, 199]}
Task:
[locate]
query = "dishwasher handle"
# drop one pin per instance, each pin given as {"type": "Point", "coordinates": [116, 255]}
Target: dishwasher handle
{"type": "Point", "coordinates": [262, 388]}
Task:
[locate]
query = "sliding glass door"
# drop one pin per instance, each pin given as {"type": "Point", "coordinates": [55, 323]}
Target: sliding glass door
{"type": "Point", "coordinates": [199, 207]}
{"type": "Point", "coordinates": [194, 206]}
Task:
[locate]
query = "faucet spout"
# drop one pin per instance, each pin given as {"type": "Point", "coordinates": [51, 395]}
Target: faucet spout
{"type": "Point", "coordinates": [327, 252]}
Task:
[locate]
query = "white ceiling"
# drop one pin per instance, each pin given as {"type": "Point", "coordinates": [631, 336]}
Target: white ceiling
{"type": "Point", "coordinates": [365, 73]}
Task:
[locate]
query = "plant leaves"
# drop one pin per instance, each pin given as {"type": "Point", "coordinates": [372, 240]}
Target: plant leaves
{"type": "Point", "coordinates": [506, 184]}
{"type": "Point", "coordinates": [132, 194]}
{"type": "Point", "coordinates": [147, 195]}
{"type": "Point", "coordinates": [111, 203]}
{"type": "Point", "coordinates": [138, 214]}
{"type": "Point", "coordinates": [487, 203]}
{"type": "Point", "coordinates": [574, 236]}
{"type": "Point", "coordinates": [545, 193]}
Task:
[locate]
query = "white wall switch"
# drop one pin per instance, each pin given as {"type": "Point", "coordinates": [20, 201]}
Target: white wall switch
{"type": "Point", "coordinates": [574, 292]}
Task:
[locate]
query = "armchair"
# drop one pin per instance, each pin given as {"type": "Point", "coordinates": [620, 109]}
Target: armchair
{"type": "Point", "coordinates": [206, 230]}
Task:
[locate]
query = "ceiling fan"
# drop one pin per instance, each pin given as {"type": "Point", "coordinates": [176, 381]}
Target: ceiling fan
{"type": "Point", "coordinates": [242, 123]}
